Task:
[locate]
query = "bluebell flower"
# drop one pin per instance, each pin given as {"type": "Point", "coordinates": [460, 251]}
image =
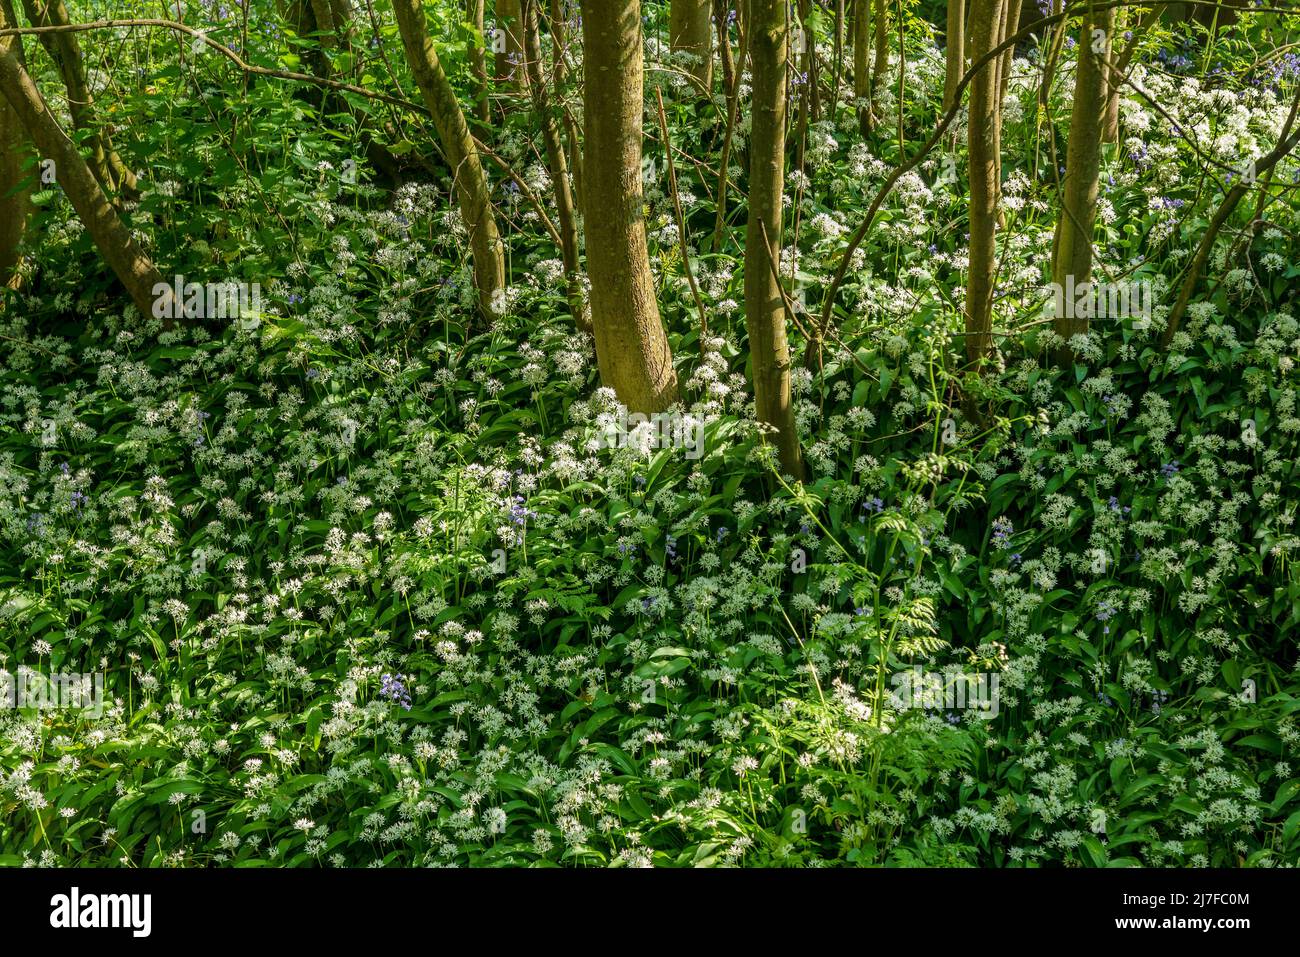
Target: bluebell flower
{"type": "Point", "coordinates": [520, 513]}
{"type": "Point", "coordinates": [392, 688]}
{"type": "Point", "coordinates": [1002, 532]}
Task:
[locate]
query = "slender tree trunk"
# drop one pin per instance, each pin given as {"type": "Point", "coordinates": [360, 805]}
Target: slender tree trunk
{"type": "Point", "coordinates": [999, 31]}
{"type": "Point", "coordinates": [112, 174]}
{"type": "Point", "coordinates": [881, 62]}
{"type": "Point", "coordinates": [15, 151]}
{"type": "Point", "coordinates": [631, 346]}
{"type": "Point", "coordinates": [478, 63]}
{"type": "Point", "coordinates": [862, 63]}
{"type": "Point", "coordinates": [560, 75]}
{"type": "Point", "coordinates": [324, 15]}
{"type": "Point", "coordinates": [803, 82]}
{"type": "Point", "coordinates": [344, 28]}
{"type": "Point", "coordinates": [1072, 255]}
{"type": "Point", "coordinates": [954, 52]}
{"type": "Point", "coordinates": [1009, 28]}
{"type": "Point", "coordinates": [1010, 18]}
{"type": "Point", "coordinates": [1055, 44]}
{"type": "Point", "coordinates": [556, 161]}
{"type": "Point", "coordinates": [733, 108]}
{"type": "Point", "coordinates": [811, 63]}
{"type": "Point", "coordinates": [299, 15]}
{"type": "Point", "coordinates": [837, 69]}
{"type": "Point", "coordinates": [110, 235]}
{"type": "Point", "coordinates": [688, 31]}
{"type": "Point", "coordinates": [470, 182]}
{"type": "Point", "coordinates": [1115, 78]}
{"type": "Point", "coordinates": [721, 14]}
{"type": "Point", "coordinates": [764, 303]}
{"type": "Point", "coordinates": [510, 54]}
{"type": "Point", "coordinates": [984, 187]}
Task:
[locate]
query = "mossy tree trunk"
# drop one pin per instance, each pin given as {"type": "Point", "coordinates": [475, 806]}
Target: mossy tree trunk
{"type": "Point", "coordinates": [323, 14]}
{"type": "Point", "coordinates": [1007, 27]}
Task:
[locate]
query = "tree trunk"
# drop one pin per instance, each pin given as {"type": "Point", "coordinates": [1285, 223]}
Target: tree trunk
{"type": "Point", "coordinates": [478, 63]}
{"type": "Point", "coordinates": [1072, 254]}
{"type": "Point", "coordinates": [881, 62]}
{"type": "Point", "coordinates": [1054, 45]}
{"type": "Point", "coordinates": [836, 70]}
{"type": "Point", "coordinates": [1115, 78]}
{"type": "Point", "coordinates": [110, 235]}
{"type": "Point", "coordinates": [556, 161]}
{"type": "Point", "coordinates": [344, 29]}
{"type": "Point", "coordinates": [810, 63]}
{"type": "Point", "coordinates": [324, 15]}
{"type": "Point", "coordinates": [985, 16]}
{"type": "Point", "coordinates": [954, 51]}
{"type": "Point", "coordinates": [721, 14]}
{"type": "Point", "coordinates": [63, 48]}
{"type": "Point", "coordinates": [803, 81]}
{"type": "Point", "coordinates": [510, 45]}
{"type": "Point", "coordinates": [688, 31]}
{"type": "Point", "coordinates": [470, 182]}
{"type": "Point", "coordinates": [1010, 19]}
{"type": "Point", "coordinates": [1010, 26]}
{"type": "Point", "coordinates": [339, 28]}
{"type": "Point", "coordinates": [733, 109]}
{"type": "Point", "coordinates": [631, 346]}
{"type": "Point", "coordinates": [764, 303]}
{"type": "Point", "coordinates": [999, 31]}
{"type": "Point", "coordinates": [862, 63]}
{"type": "Point", "coordinates": [560, 74]}
{"type": "Point", "coordinates": [15, 150]}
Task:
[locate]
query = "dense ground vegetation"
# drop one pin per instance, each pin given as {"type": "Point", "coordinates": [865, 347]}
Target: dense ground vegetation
{"type": "Point", "coordinates": [367, 587]}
